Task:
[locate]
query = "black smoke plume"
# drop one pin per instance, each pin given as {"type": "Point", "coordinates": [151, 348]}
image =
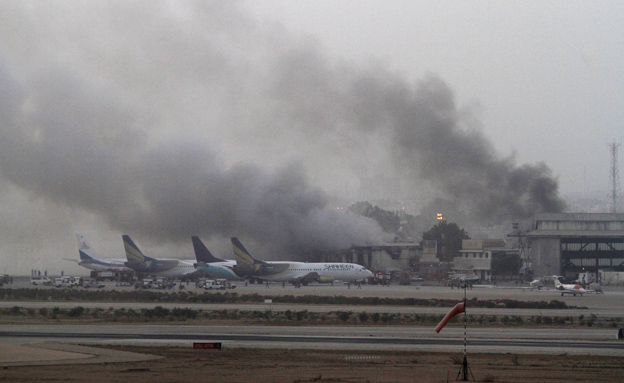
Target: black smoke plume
{"type": "Point", "coordinates": [168, 120]}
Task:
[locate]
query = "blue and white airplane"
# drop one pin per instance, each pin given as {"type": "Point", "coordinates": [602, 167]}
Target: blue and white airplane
{"type": "Point", "coordinates": [90, 260]}
{"type": "Point", "coordinates": [212, 266]}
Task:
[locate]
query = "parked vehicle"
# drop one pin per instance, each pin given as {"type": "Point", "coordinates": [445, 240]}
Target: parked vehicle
{"type": "Point", "coordinates": [41, 281]}
{"type": "Point", "coordinates": [164, 283]}
{"type": "Point", "coordinates": [64, 282]}
{"type": "Point", "coordinates": [92, 283]}
{"type": "Point", "coordinates": [218, 284]}
{"type": "Point", "coordinates": [212, 285]}
{"type": "Point", "coordinates": [379, 278]}
{"type": "Point", "coordinates": [105, 275]}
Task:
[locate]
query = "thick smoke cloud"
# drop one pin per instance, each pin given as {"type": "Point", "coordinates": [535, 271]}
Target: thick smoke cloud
{"type": "Point", "coordinates": [173, 119]}
{"type": "Point", "coordinates": [429, 138]}
{"type": "Point", "coordinates": [462, 162]}
{"type": "Point", "coordinates": [167, 191]}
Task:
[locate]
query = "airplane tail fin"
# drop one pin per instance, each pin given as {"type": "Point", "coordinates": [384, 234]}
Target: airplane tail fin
{"type": "Point", "coordinates": [557, 281]}
{"type": "Point", "coordinates": [242, 255]}
{"type": "Point", "coordinates": [132, 251]}
{"type": "Point", "coordinates": [202, 253]}
{"type": "Point", "coordinates": [84, 250]}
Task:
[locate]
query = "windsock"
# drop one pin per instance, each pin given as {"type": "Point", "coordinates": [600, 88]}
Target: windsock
{"type": "Point", "coordinates": [458, 309]}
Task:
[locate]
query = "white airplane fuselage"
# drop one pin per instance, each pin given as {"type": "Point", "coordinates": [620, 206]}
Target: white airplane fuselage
{"type": "Point", "coordinates": [571, 289]}
{"type": "Point", "coordinates": [181, 269]}
{"type": "Point", "coordinates": [335, 271]}
{"type": "Point", "coordinates": [568, 288]}
{"type": "Point", "coordinates": [104, 265]}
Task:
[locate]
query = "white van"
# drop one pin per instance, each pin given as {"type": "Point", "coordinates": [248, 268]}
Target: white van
{"type": "Point", "coordinates": [40, 281]}
{"type": "Point", "coordinates": [213, 285]}
{"type": "Point", "coordinates": [64, 282]}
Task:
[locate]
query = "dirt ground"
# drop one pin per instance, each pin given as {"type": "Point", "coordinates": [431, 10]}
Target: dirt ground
{"type": "Point", "coordinates": [276, 366]}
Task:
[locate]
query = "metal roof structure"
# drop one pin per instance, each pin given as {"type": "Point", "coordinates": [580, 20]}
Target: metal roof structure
{"type": "Point", "coordinates": [571, 243]}
{"type": "Point", "coordinates": [575, 233]}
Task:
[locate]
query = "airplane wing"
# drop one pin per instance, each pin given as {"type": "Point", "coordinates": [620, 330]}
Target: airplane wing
{"type": "Point", "coordinates": [312, 276]}
{"type": "Point", "coordinates": [308, 277]}
{"type": "Point", "coordinates": [315, 277]}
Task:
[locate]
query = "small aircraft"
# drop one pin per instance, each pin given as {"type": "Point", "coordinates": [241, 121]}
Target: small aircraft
{"type": "Point", "coordinates": [536, 284]}
{"type": "Point", "coordinates": [569, 288]}
{"type": "Point", "coordinates": [171, 268]}
{"type": "Point", "coordinates": [295, 272]}
{"type": "Point", "coordinates": [91, 260]}
{"type": "Point", "coordinates": [465, 277]}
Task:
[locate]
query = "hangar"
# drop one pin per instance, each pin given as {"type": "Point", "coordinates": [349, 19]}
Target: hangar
{"type": "Point", "coordinates": [573, 243]}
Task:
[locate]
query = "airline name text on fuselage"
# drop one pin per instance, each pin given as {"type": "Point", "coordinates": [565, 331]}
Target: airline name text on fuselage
{"type": "Point", "coordinates": [339, 266]}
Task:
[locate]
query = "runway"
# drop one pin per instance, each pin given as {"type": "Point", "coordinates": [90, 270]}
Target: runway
{"type": "Point", "coordinates": [589, 341]}
{"type": "Point", "coordinates": [607, 312]}
{"type": "Point", "coordinates": [594, 342]}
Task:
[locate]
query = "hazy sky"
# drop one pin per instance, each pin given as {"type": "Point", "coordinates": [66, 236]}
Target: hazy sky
{"type": "Point", "coordinates": [545, 78]}
{"type": "Point", "coordinates": [164, 120]}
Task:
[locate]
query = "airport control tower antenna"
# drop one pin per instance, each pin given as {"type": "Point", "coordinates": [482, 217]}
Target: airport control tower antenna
{"type": "Point", "coordinates": [614, 176]}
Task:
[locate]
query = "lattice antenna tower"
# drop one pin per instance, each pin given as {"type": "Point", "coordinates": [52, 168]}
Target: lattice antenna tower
{"type": "Point", "coordinates": [614, 176]}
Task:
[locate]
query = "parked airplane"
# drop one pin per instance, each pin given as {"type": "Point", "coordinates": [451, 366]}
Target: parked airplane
{"type": "Point", "coordinates": [171, 268]}
{"type": "Point", "coordinates": [569, 288]}
{"type": "Point", "coordinates": [90, 260]}
{"type": "Point", "coordinates": [209, 264]}
{"type": "Point", "coordinates": [536, 284]}
{"type": "Point", "coordinates": [469, 278]}
{"type": "Point", "coordinates": [287, 271]}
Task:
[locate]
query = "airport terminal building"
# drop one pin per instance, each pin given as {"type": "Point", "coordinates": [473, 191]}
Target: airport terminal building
{"type": "Point", "coordinates": [568, 244]}
{"type": "Point", "coordinates": [575, 243]}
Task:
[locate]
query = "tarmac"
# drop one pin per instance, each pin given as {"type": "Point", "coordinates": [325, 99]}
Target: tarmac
{"type": "Point", "coordinates": [40, 353]}
{"type": "Point", "coordinates": [48, 353]}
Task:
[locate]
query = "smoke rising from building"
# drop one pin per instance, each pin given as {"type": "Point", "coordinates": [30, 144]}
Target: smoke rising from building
{"type": "Point", "coordinates": [167, 120]}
